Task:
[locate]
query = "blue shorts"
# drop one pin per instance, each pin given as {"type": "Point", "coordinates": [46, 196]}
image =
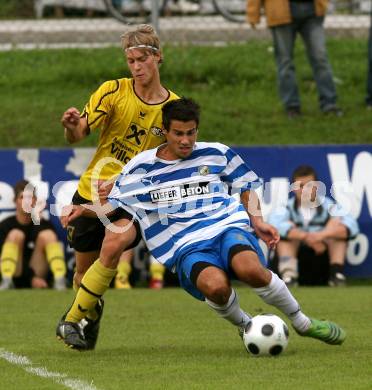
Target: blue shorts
{"type": "Point", "coordinates": [216, 252]}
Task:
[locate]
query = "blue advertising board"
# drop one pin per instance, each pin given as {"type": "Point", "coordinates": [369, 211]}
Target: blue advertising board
{"type": "Point", "coordinates": [346, 171]}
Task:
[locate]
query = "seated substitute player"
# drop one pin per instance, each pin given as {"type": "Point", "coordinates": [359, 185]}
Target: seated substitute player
{"type": "Point", "coordinates": [315, 222]}
{"type": "Point", "coordinates": [183, 194]}
{"type": "Point", "coordinates": [28, 251]}
{"type": "Point", "coordinates": [127, 112]}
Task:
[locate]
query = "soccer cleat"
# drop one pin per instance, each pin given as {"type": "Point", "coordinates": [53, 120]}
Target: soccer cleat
{"type": "Point", "coordinates": [326, 331]}
{"type": "Point", "coordinates": [71, 334]}
{"type": "Point", "coordinates": [6, 284]}
{"type": "Point", "coordinates": [243, 328]}
{"type": "Point", "coordinates": [156, 284]}
{"type": "Point", "coordinates": [293, 112]}
{"type": "Point", "coordinates": [60, 283]}
{"type": "Point", "coordinates": [122, 283]}
{"type": "Point", "coordinates": [337, 280]}
{"type": "Point", "coordinates": [333, 110]}
{"type": "Point", "coordinates": [91, 327]}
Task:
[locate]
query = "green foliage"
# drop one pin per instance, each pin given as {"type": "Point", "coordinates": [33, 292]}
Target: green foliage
{"type": "Point", "coordinates": [16, 9]}
{"type": "Point", "coordinates": [236, 86]}
{"type": "Point", "coordinates": [168, 340]}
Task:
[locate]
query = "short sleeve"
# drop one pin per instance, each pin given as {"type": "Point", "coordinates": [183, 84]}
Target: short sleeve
{"type": "Point", "coordinates": [238, 175]}
{"type": "Point", "coordinates": [100, 104]}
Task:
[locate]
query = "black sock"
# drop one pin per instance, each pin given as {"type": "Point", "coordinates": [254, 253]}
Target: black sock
{"type": "Point", "coordinates": [336, 268]}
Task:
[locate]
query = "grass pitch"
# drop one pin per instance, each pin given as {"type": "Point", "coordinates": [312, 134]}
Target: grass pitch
{"type": "Point", "coordinates": [167, 340]}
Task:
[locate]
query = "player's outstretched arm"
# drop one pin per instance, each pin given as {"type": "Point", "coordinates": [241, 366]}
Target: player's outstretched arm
{"type": "Point", "coordinates": [73, 211]}
{"type": "Point", "coordinates": [76, 127]}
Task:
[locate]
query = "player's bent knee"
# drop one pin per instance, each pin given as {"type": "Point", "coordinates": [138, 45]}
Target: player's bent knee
{"type": "Point", "coordinates": [16, 236]}
{"type": "Point", "coordinates": [47, 236]}
{"type": "Point", "coordinates": [217, 290]}
{"type": "Point", "coordinates": [220, 294]}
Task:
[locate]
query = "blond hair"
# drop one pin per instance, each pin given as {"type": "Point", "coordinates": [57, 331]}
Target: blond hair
{"type": "Point", "coordinates": [142, 36]}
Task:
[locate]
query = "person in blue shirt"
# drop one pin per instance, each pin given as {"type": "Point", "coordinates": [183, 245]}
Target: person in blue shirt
{"type": "Point", "coordinates": [314, 221]}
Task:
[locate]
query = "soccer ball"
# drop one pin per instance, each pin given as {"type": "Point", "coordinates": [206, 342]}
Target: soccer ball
{"type": "Point", "coordinates": [266, 335]}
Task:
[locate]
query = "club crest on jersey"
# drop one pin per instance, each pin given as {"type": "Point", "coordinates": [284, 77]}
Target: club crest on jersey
{"type": "Point", "coordinates": [156, 131]}
{"type": "Point", "coordinates": [171, 194]}
{"type": "Point", "coordinates": [203, 170]}
{"type": "Point", "coordinates": [149, 182]}
{"type": "Point", "coordinates": [135, 134]}
{"type": "Point", "coordinates": [70, 233]}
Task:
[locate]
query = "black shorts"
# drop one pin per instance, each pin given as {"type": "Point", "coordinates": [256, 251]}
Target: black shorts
{"type": "Point", "coordinates": [86, 234]}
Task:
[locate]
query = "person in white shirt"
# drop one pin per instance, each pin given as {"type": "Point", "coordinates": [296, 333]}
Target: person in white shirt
{"type": "Point", "coordinates": [314, 221]}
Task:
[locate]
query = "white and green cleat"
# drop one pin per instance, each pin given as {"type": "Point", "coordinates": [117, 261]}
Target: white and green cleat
{"type": "Point", "coordinates": [326, 331]}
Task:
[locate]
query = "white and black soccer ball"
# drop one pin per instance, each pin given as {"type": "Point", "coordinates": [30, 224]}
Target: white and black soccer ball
{"type": "Point", "coordinates": [266, 335]}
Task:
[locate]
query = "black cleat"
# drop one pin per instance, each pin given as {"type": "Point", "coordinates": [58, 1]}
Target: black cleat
{"type": "Point", "coordinates": [91, 327]}
{"type": "Point", "coordinates": [294, 112]}
{"type": "Point", "coordinates": [333, 111]}
{"type": "Point", "coordinates": [337, 280]}
{"type": "Point", "coordinates": [71, 334]}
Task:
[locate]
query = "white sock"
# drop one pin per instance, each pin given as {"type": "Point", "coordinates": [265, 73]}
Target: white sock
{"type": "Point", "coordinates": [231, 311]}
{"type": "Point", "coordinates": [277, 294]}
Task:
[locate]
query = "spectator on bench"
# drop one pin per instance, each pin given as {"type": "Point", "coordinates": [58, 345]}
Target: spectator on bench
{"type": "Point", "coordinates": [315, 222]}
{"type": "Point", "coordinates": [28, 251]}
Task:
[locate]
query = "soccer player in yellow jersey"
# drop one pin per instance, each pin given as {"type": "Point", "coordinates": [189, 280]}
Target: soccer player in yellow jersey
{"type": "Point", "coordinates": [128, 114]}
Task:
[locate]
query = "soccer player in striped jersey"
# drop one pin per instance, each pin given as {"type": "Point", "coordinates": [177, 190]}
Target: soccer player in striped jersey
{"type": "Point", "coordinates": [199, 216]}
{"type": "Point", "coordinates": [127, 112]}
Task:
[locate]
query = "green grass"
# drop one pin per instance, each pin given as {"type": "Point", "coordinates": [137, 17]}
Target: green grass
{"type": "Point", "coordinates": [236, 86]}
{"type": "Point", "coordinates": [168, 340]}
{"type": "Point", "coordinates": [16, 9]}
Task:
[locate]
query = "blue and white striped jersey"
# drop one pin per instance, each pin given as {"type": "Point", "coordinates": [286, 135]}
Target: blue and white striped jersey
{"type": "Point", "coordinates": [184, 202]}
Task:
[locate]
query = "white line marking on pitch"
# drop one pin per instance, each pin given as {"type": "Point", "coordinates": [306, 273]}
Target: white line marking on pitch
{"type": "Point", "coordinates": [27, 365]}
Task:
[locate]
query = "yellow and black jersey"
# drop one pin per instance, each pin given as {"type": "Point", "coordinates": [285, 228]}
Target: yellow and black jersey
{"type": "Point", "coordinates": [127, 126]}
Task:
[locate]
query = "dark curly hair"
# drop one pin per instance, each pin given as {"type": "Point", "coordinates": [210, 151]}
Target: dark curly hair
{"type": "Point", "coordinates": [183, 109]}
